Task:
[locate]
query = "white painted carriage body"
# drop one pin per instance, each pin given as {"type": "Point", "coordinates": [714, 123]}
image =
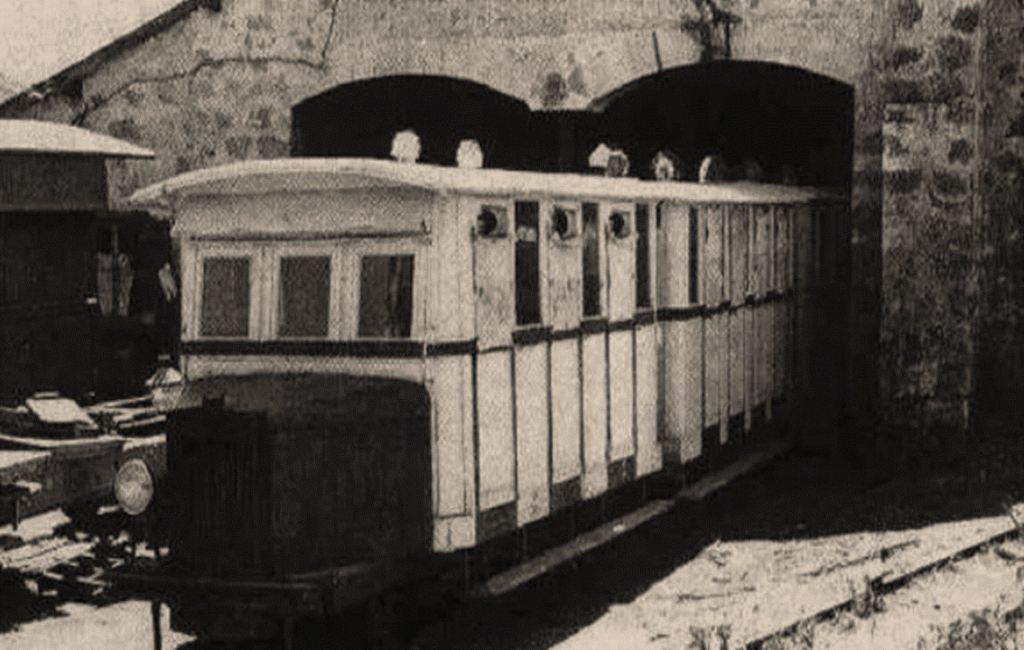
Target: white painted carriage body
{"type": "Point", "coordinates": [526, 418]}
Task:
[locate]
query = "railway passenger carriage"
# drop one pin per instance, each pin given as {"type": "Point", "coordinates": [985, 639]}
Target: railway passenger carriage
{"type": "Point", "coordinates": [388, 360]}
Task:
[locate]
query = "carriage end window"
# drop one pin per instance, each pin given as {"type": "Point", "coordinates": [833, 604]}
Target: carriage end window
{"type": "Point", "coordinates": [591, 262]}
{"type": "Point", "coordinates": [305, 296]}
{"type": "Point", "coordinates": [643, 256]}
{"type": "Point", "coordinates": [527, 263]}
{"type": "Point", "coordinates": [385, 296]}
{"type": "Point", "coordinates": [225, 307]}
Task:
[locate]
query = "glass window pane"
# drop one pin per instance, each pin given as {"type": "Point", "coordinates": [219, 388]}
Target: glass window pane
{"type": "Point", "coordinates": [305, 296]}
{"type": "Point", "coordinates": [527, 263]}
{"type": "Point", "coordinates": [225, 308]}
{"type": "Point", "coordinates": [385, 296]}
{"type": "Point", "coordinates": [643, 256]}
{"type": "Point", "coordinates": [591, 262]}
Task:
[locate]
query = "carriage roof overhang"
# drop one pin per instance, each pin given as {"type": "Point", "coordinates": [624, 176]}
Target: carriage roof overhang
{"type": "Point", "coordinates": [255, 177]}
{"type": "Point", "coordinates": [36, 137]}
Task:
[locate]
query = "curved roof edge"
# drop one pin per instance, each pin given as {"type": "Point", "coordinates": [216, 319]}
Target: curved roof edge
{"type": "Point", "coordinates": [33, 136]}
{"type": "Point", "coordinates": [253, 177]}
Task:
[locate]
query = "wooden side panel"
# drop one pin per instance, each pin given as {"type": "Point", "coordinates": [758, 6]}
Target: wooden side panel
{"type": "Point", "coordinates": [714, 345]}
{"type": "Point", "coordinates": [780, 380]}
{"type": "Point", "coordinates": [648, 452]}
{"type": "Point", "coordinates": [749, 365]}
{"type": "Point", "coordinates": [736, 368]}
{"type": "Point", "coordinates": [763, 318]}
{"type": "Point", "coordinates": [532, 432]}
{"type": "Point", "coordinates": [713, 262]}
{"type": "Point", "coordinates": [620, 390]}
{"type": "Point", "coordinates": [595, 415]}
{"type": "Point", "coordinates": [497, 451]}
{"type": "Point", "coordinates": [494, 275]}
{"type": "Point", "coordinates": [450, 465]}
{"type": "Point", "coordinates": [672, 387]}
{"type": "Point", "coordinates": [621, 279]}
{"type": "Point", "coordinates": [693, 377]}
{"type": "Point", "coordinates": [565, 409]}
{"type": "Point", "coordinates": [765, 324]}
{"type": "Point", "coordinates": [759, 253]}
{"type": "Point", "coordinates": [565, 282]}
{"type": "Point", "coordinates": [674, 255]}
{"type": "Point", "coordinates": [739, 251]}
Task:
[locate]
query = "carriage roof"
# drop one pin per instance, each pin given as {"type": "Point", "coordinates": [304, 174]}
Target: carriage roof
{"type": "Point", "coordinates": [327, 174]}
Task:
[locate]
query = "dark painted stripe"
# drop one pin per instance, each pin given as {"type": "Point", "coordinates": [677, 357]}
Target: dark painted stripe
{"type": "Point", "coordinates": [680, 313]}
{"type": "Point", "coordinates": [594, 326]}
{"type": "Point", "coordinates": [531, 335]}
{"type": "Point", "coordinates": [621, 472]}
{"type": "Point", "coordinates": [495, 521]}
{"type": "Point", "coordinates": [644, 317]}
{"type": "Point", "coordinates": [451, 348]}
{"type": "Point", "coordinates": [562, 335]}
{"type": "Point", "coordinates": [621, 325]}
{"type": "Point", "coordinates": [565, 494]}
{"type": "Point", "coordinates": [378, 348]}
{"type": "Point", "coordinates": [720, 308]}
{"type": "Point", "coordinates": [496, 348]}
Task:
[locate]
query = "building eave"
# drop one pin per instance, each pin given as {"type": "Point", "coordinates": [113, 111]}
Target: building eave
{"type": "Point", "coordinates": [77, 71]}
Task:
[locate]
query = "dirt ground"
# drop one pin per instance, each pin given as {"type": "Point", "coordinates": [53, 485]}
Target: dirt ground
{"type": "Point", "coordinates": [775, 545]}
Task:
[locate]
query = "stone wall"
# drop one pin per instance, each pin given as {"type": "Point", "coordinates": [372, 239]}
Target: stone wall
{"type": "Point", "coordinates": [929, 78]}
{"type": "Point", "coordinates": [1000, 384]}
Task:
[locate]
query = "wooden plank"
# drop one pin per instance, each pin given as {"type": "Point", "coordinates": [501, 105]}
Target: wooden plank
{"type": "Point", "coordinates": [719, 479]}
{"type": "Point", "coordinates": [509, 580]}
{"type": "Point", "coordinates": [648, 453]}
{"type": "Point", "coordinates": [497, 443]}
{"type": "Point", "coordinates": [595, 415]}
{"type": "Point", "coordinates": [565, 410]}
{"type": "Point", "coordinates": [620, 388]}
{"type": "Point", "coordinates": [532, 432]}
{"type": "Point", "coordinates": [689, 366]}
{"type": "Point", "coordinates": [450, 489]}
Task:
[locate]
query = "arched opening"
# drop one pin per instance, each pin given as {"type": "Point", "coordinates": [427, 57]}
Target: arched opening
{"type": "Point", "coordinates": [788, 121]}
{"type": "Point", "coordinates": [360, 119]}
{"type": "Point", "coordinates": [744, 111]}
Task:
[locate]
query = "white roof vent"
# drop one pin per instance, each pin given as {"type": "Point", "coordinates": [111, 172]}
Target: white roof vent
{"type": "Point", "coordinates": [469, 155]}
{"type": "Point", "coordinates": [406, 146]}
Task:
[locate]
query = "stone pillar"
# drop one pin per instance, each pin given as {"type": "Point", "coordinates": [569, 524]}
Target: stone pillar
{"type": "Point", "coordinates": [929, 279]}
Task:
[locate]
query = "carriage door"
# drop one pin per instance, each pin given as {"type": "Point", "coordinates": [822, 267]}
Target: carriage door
{"type": "Point", "coordinates": [494, 275]}
{"type": "Point", "coordinates": [620, 244]}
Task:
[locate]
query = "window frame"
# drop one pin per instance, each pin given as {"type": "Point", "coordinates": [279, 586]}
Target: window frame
{"type": "Point", "coordinates": [352, 254]}
{"type": "Point", "coordinates": [254, 253]}
{"type": "Point", "coordinates": [335, 291]}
